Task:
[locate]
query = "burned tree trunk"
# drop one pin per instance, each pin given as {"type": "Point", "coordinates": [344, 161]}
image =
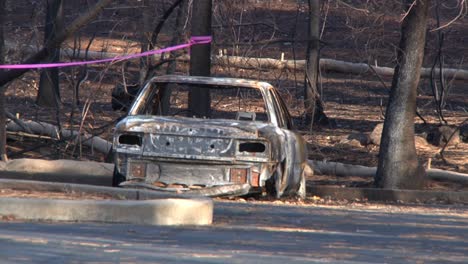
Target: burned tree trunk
{"type": "Point", "coordinates": [3, 153]}
{"type": "Point", "coordinates": [49, 93]}
{"type": "Point", "coordinates": [312, 102]}
{"type": "Point", "coordinates": [398, 166]}
{"type": "Point", "coordinates": [200, 56]}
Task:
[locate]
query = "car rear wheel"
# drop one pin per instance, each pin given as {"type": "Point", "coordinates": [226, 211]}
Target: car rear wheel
{"type": "Point", "coordinates": [272, 185]}
{"type": "Point", "coordinates": [117, 178]}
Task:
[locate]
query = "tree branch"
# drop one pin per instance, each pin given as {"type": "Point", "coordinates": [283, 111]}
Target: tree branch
{"type": "Point", "coordinates": [78, 23]}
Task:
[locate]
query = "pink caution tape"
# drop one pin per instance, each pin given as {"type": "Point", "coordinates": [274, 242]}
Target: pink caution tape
{"type": "Point", "coordinates": [193, 41]}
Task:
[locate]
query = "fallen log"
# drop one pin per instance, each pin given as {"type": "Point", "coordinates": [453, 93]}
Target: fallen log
{"type": "Point", "coordinates": [266, 63]}
{"type": "Point", "coordinates": [46, 129]}
{"type": "Point", "coordinates": [343, 170]}
{"type": "Point", "coordinates": [443, 175]}
{"type": "Point", "coordinates": [329, 65]}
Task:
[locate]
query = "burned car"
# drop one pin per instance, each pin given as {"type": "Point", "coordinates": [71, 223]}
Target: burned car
{"type": "Point", "coordinates": [243, 145]}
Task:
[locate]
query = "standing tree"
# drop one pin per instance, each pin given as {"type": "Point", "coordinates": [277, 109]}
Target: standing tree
{"type": "Point", "coordinates": [177, 36]}
{"type": "Point", "coordinates": [200, 56]}
{"type": "Point", "coordinates": [3, 154]}
{"type": "Point", "coordinates": [49, 94]}
{"type": "Point", "coordinates": [398, 164]}
{"type": "Point", "coordinates": [148, 68]}
{"type": "Point", "coordinates": [312, 102]}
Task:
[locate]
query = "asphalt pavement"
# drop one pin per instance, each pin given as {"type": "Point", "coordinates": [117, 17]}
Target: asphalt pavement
{"type": "Point", "coordinates": [250, 233]}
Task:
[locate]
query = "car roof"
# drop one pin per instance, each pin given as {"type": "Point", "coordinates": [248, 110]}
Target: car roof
{"type": "Point", "coordinates": [221, 81]}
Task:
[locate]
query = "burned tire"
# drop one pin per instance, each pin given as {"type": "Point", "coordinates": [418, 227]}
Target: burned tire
{"type": "Point", "coordinates": [270, 187]}
{"type": "Point", "coordinates": [117, 178]}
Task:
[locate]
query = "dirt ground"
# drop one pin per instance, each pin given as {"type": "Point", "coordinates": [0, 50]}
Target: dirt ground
{"type": "Point", "coordinates": [356, 103]}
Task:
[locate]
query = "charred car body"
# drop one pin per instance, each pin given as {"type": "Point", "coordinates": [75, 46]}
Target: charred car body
{"type": "Point", "coordinates": [243, 145]}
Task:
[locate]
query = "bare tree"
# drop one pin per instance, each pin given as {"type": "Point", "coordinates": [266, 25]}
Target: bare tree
{"type": "Point", "coordinates": [3, 153]}
{"type": "Point", "coordinates": [312, 102]}
{"type": "Point", "coordinates": [10, 75]}
{"type": "Point", "coordinates": [398, 166]}
{"type": "Point", "coordinates": [200, 56]}
{"type": "Point", "coordinates": [177, 36]}
{"type": "Point", "coordinates": [437, 80]}
{"type": "Point", "coordinates": [49, 94]}
{"type": "Point", "coordinates": [148, 67]}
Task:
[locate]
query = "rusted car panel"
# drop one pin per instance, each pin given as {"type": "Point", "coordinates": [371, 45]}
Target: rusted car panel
{"type": "Point", "coordinates": [212, 155]}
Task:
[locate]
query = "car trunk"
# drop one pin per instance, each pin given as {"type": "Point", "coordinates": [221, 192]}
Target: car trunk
{"type": "Point", "coordinates": [196, 151]}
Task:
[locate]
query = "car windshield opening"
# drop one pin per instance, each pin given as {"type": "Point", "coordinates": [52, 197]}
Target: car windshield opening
{"type": "Point", "coordinates": [226, 102]}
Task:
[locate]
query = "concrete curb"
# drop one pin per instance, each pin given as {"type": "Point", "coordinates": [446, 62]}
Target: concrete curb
{"type": "Point", "coordinates": [144, 207]}
{"type": "Point", "coordinates": [169, 211]}
{"type": "Point", "coordinates": [385, 195]}
{"type": "Point", "coordinates": [69, 171]}
{"type": "Point", "coordinates": [115, 193]}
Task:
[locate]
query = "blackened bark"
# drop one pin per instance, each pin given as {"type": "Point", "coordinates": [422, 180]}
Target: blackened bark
{"type": "Point", "coordinates": [398, 164]}
{"type": "Point", "coordinates": [200, 56]}
{"type": "Point", "coordinates": [49, 93]}
{"type": "Point", "coordinates": [3, 152]}
{"type": "Point", "coordinates": [313, 105]}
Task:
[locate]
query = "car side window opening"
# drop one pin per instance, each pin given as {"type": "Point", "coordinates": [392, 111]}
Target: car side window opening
{"type": "Point", "coordinates": [289, 122]}
{"type": "Point", "coordinates": [281, 110]}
